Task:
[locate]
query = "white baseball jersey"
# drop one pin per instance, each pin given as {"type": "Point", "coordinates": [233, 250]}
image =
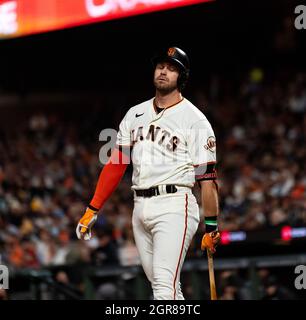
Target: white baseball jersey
{"type": "Point", "coordinates": [175, 146]}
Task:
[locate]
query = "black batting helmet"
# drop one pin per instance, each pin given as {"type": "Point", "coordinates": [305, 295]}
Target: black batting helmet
{"type": "Point", "coordinates": [180, 58]}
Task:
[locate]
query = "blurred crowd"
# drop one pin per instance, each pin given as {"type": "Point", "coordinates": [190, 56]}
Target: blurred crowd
{"type": "Point", "coordinates": [262, 152]}
{"type": "Point", "coordinates": [262, 284]}
{"type": "Point", "coordinates": [49, 166]}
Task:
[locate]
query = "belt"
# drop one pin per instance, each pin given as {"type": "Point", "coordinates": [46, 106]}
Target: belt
{"type": "Point", "coordinates": [155, 191]}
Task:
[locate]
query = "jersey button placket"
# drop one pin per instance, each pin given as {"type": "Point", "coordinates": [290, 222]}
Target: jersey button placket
{"type": "Point", "coordinates": [145, 160]}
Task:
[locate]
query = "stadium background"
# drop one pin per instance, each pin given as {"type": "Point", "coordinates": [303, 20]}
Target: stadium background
{"type": "Point", "coordinates": [58, 90]}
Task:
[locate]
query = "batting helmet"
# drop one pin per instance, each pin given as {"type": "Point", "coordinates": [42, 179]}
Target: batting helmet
{"type": "Point", "coordinates": [180, 58]}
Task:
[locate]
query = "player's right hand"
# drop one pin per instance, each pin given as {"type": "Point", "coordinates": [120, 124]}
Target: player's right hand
{"type": "Point", "coordinates": [210, 241]}
{"type": "Point", "coordinates": [85, 224]}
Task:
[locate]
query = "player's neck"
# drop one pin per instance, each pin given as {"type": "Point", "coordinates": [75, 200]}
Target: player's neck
{"type": "Point", "coordinates": [167, 100]}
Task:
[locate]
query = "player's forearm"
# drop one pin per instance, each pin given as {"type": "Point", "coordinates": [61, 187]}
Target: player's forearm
{"type": "Point", "coordinates": [209, 195]}
{"type": "Point", "coordinates": [108, 181]}
{"type": "Point", "coordinates": [210, 203]}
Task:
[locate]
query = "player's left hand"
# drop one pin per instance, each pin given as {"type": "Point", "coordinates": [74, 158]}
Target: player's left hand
{"type": "Point", "coordinates": [85, 224]}
{"type": "Point", "coordinates": [210, 241]}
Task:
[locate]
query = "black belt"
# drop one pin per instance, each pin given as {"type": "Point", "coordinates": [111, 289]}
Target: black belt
{"type": "Point", "coordinates": [154, 191]}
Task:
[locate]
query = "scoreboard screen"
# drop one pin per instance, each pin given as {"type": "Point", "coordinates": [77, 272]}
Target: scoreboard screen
{"type": "Point", "coordinates": [25, 17]}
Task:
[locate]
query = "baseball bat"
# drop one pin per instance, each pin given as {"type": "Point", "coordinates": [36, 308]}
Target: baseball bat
{"type": "Point", "coordinates": [213, 292]}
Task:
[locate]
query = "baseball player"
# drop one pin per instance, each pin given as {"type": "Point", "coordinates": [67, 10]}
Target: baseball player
{"type": "Point", "coordinates": [172, 145]}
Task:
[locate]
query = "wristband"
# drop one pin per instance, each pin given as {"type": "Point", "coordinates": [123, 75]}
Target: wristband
{"type": "Point", "coordinates": [92, 208]}
{"type": "Point", "coordinates": [211, 224]}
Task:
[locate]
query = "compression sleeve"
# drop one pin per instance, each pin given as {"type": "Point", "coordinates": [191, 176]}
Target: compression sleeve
{"type": "Point", "coordinates": [109, 178]}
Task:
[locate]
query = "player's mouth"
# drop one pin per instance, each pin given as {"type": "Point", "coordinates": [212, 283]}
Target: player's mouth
{"type": "Point", "coordinates": [162, 79]}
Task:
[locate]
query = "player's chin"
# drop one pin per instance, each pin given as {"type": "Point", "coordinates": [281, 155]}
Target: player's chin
{"type": "Point", "coordinates": [164, 87]}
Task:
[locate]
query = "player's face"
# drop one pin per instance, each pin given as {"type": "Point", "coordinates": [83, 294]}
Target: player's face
{"type": "Point", "coordinates": [165, 77]}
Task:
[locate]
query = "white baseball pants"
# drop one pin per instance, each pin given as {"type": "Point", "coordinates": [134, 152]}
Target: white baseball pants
{"type": "Point", "coordinates": [163, 228]}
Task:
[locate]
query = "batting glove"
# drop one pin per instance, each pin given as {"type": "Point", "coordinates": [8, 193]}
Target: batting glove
{"type": "Point", "coordinates": [85, 224]}
{"type": "Point", "coordinates": [210, 241]}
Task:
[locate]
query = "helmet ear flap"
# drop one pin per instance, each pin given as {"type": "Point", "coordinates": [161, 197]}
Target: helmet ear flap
{"type": "Point", "coordinates": [182, 79]}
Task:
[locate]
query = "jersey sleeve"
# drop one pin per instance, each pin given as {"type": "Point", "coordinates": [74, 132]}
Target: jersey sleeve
{"type": "Point", "coordinates": [201, 143]}
{"type": "Point", "coordinates": [124, 135]}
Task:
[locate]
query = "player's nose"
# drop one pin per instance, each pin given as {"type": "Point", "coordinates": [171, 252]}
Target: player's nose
{"type": "Point", "coordinates": [163, 71]}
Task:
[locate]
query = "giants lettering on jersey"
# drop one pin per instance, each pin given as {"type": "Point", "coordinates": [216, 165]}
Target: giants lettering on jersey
{"type": "Point", "coordinates": [155, 134]}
